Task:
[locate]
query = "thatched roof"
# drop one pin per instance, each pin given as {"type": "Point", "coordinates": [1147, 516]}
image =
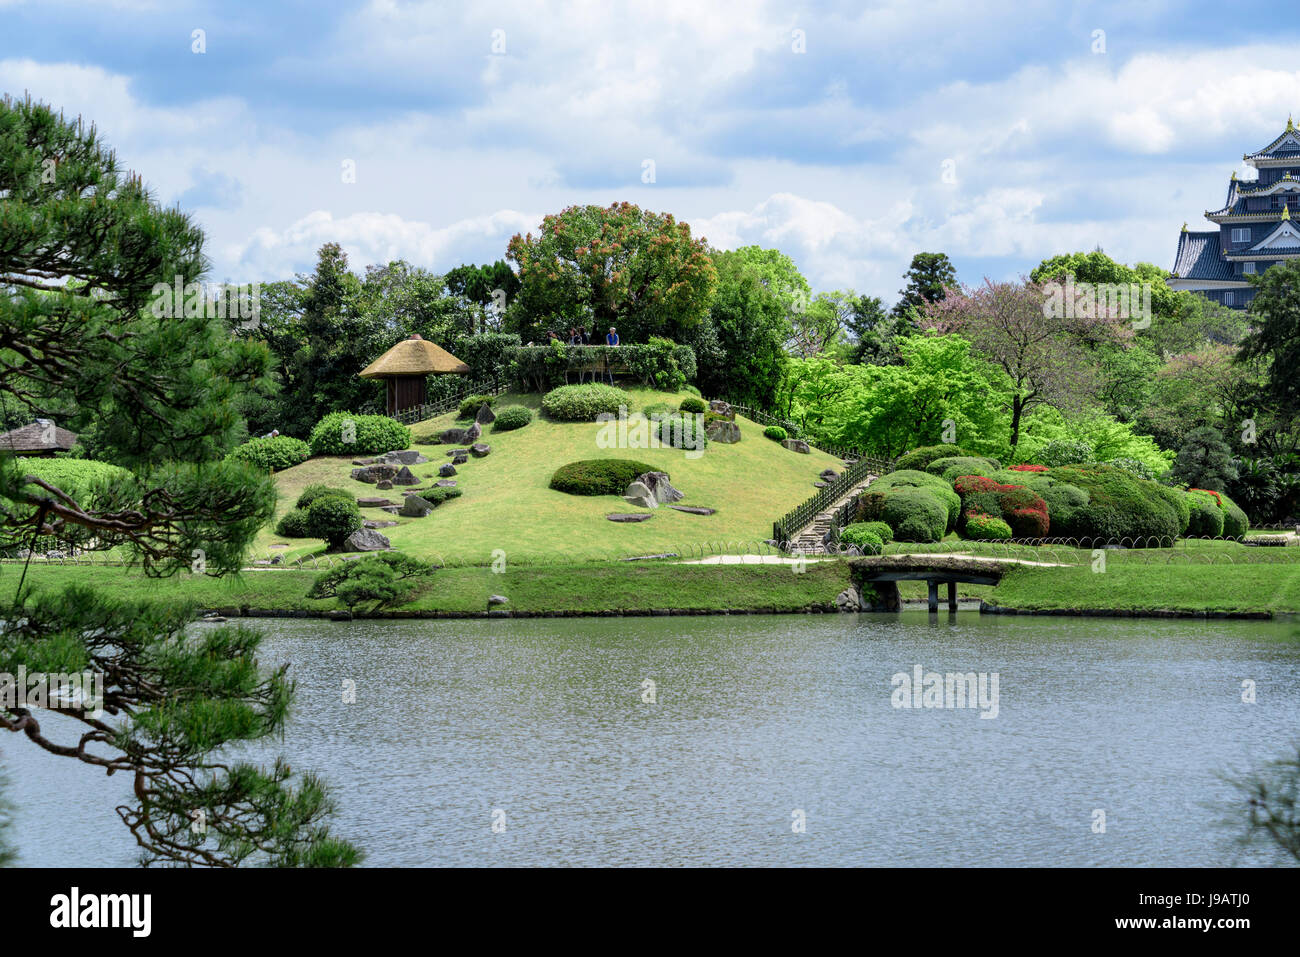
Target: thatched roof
{"type": "Point", "coordinates": [413, 356]}
{"type": "Point", "coordinates": [40, 436]}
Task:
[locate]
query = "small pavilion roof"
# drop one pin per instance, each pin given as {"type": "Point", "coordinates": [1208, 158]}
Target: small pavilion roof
{"type": "Point", "coordinates": [414, 356]}
{"type": "Point", "coordinates": [41, 436]}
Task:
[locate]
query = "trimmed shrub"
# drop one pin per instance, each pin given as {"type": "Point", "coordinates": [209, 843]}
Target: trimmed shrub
{"type": "Point", "coordinates": [470, 406]}
{"type": "Point", "coordinates": [598, 476]}
{"type": "Point", "coordinates": [438, 494]}
{"type": "Point", "coordinates": [921, 457]}
{"type": "Point", "coordinates": [860, 535]}
{"type": "Point", "coordinates": [915, 514]}
{"type": "Point", "coordinates": [1235, 522]}
{"type": "Point", "coordinates": [77, 477]}
{"type": "Point", "coordinates": [910, 478]}
{"type": "Point", "coordinates": [1065, 452]}
{"type": "Point", "coordinates": [381, 579]}
{"type": "Point", "coordinates": [879, 528]}
{"type": "Point", "coordinates": [1064, 504]}
{"type": "Point", "coordinates": [1178, 499]}
{"type": "Point", "coordinates": [1120, 505]}
{"type": "Point", "coordinates": [371, 435]}
{"type": "Point", "coordinates": [279, 453]}
{"type": "Point", "coordinates": [512, 417]}
{"type": "Point", "coordinates": [582, 403]}
{"type": "Point", "coordinates": [1023, 509]}
{"type": "Point", "coordinates": [693, 405]}
{"type": "Point", "coordinates": [953, 466]}
{"type": "Point", "coordinates": [312, 492]}
{"type": "Point", "coordinates": [986, 527]}
{"type": "Point", "coordinates": [776, 433]}
{"type": "Point", "coordinates": [333, 519]}
{"type": "Point", "coordinates": [678, 431]}
{"type": "Point", "coordinates": [1207, 514]}
{"type": "Point", "coordinates": [293, 524]}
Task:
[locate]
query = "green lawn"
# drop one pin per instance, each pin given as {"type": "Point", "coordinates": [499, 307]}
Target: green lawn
{"type": "Point", "coordinates": [507, 505]}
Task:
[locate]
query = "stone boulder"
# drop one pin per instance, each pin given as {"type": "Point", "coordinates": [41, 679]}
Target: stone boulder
{"type": "Point", "coordinates": [638, 493]}
{"type": "Point", "coordinates": [458, 451]}
{"type": "Point", "coordinates": [723, 431]}
{"type": "Point", "coordinates": [405, 476]}
{"type": "Point", "coordinates": [496, 599]}
{"type": "Point", "coordinates": [366, 540]}
{"type": "Point", "coordinates": [371, 523]}
{"type": "Point", "coordinates": [694, 509]}
{"type": "Point", "coordinates": [849, 600]}
{"type": "Point", "coordinates": [797, 445]}
{"type": "Point", "coordinates": [373, 502]}
{"type": "Point", "coordinates": [622, 517]}
{"type": "Point", "coordinates": [405, 457]}
{"type": "Point", "coordinates": [371, 474]}
{"type": "Point", "coordinates": [460, 459]}
{"type": "Point", "coordinates": [659, 486]}
{"type": "Point", "coordinates": [485, 415]}
{"type": "Point", "coordinates": [445, 483]}
{"type": "Point", "coordinates": [478, 450]}
{"type": "Point", "coordinates": [458, 436]}
{"type": "Point", "coordinates": [416, 507]}
{"type": "Point", "coordinates": [384, 485]}
{"type": "Point", "coordinates": [828, 475]}
{"type": "Point", "coordinates": [722, 408]}
{"type": "Point", "coordinates": [447, 471]}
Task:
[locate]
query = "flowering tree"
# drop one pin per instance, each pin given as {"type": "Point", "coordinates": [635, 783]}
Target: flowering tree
{"type": "Point", "coordinates": [1045, 349]}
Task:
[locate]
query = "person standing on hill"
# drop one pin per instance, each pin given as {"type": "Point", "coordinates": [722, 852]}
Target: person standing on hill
{"type": "Point", "coordinates": [611, 339]}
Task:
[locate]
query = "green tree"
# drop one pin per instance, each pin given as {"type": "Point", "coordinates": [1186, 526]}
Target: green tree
{"type": "Point", "coordinates": [876, 331]}
{"type": "Point", "coordinates": [1205, 461]}
{"type": "Point", "coordinates": [820, 326]}
{"type": "Point", "coordinates": [928, 278]}
{"type": "Point", "coordinates": [1275, 312]}
{"type": "Point", "coordinates": [751, 324]}
{"type": "Point", "coordinates": [83, 255]}
{"type": "Point", "coordinates": [490, 289]}
{"type": "Point", "coordinates": [620, 266]}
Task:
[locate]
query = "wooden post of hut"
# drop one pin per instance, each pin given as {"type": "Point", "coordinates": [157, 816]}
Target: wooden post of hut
{"type": "Point", "coordinates": [404, 368]}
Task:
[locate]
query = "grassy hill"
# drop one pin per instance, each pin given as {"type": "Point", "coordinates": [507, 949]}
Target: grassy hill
{"type": "Point", "coordinates": [507, 504]}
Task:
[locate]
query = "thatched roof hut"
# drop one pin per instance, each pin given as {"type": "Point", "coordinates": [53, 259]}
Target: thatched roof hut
{"type": "Point", "coordinates": [42, 437]}
{"type": "Point", "coordinates": [405, 366]}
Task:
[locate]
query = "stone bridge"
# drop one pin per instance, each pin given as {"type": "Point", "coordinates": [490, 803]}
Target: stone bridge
{"type": "Point", "coordinates": [879, 576]}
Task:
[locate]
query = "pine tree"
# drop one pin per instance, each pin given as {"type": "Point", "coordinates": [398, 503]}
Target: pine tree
{"type": "Point", "coordinates": [87, 258]}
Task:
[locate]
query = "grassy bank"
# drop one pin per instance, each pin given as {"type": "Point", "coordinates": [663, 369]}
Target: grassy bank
{"type": "Point", "coordinates": [537, 589]}
{"type": "Point", "coordinates": [1139, 581]}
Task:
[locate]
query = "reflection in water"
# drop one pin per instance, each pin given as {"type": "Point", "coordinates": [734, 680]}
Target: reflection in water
{"type": "Point", "coordinates": [535, 742]}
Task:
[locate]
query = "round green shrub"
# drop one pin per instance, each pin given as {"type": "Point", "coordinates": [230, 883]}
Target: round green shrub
{"type": "Point", "coordinates": [293, 524]}
{"type": "Point", "coordinates": [598, 476]}
{"type": "Point", "coordinates": [1178, 499]}
{"type": "Point", "coordinates": [1235, 522]}
{"type": "Point", "coordinates": [278, 453]}
{"type": "Point", "coordinates": [915, 514]}
{"type": "Point", "coordinates": [923, 456]}
{"type": "Point", "coordinates": [312, 492]}
{"type": "Point", "coordinates": [861, 536]}
{"type": "Point", "coordinates": [1065, 452]}
{"type": "Point", "coordinates": [1064, 505]}
{"type": "Point", "coordinates": [512, 417]}
{"type": "Point", "coordinates": [333, 519]}
{"type": "Point", "coordinates": [1134, 466]}
{"type": "Point", "coordinates": [776, 433]}
{"type": "Point", "coordinates": [582, 403]}
{"type": "Point", "coordinates": [879, 528]}
{"type": "Point", "coordinates": [693, 405]}
{"type": "Point", "coordinates": [370, 434]}
{"type": "Point", "coordinates": [1120, 505]}
{"type": "Point", "coordinates": [911, 478]}
{"type": "Point", "coordinates": [470, 405]}
{"type": "Point", "coordinates": [1207, 515]}
{"type": "Point", "coordinates": [986, 527]}
{"type": "Point", "coordinates": [961, 465]}
{"type": "Point", "coordinates": [678, 431]}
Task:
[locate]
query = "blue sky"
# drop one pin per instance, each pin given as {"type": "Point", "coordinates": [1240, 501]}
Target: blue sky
{"type": "Point", "coordinates": [848, 135]}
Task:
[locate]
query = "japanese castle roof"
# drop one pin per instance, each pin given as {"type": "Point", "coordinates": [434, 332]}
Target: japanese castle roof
{"type": "Point", "coordinates": [1287, 145]}
{"type": "Point", "coordinates": [1198, 257]}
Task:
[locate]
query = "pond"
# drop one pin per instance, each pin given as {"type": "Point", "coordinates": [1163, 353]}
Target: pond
{"type": "Point", "coordinates": [753, 740]}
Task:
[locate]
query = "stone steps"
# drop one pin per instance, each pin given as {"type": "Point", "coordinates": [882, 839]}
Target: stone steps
{"type": "Point", "coordinates": [810, 538]}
